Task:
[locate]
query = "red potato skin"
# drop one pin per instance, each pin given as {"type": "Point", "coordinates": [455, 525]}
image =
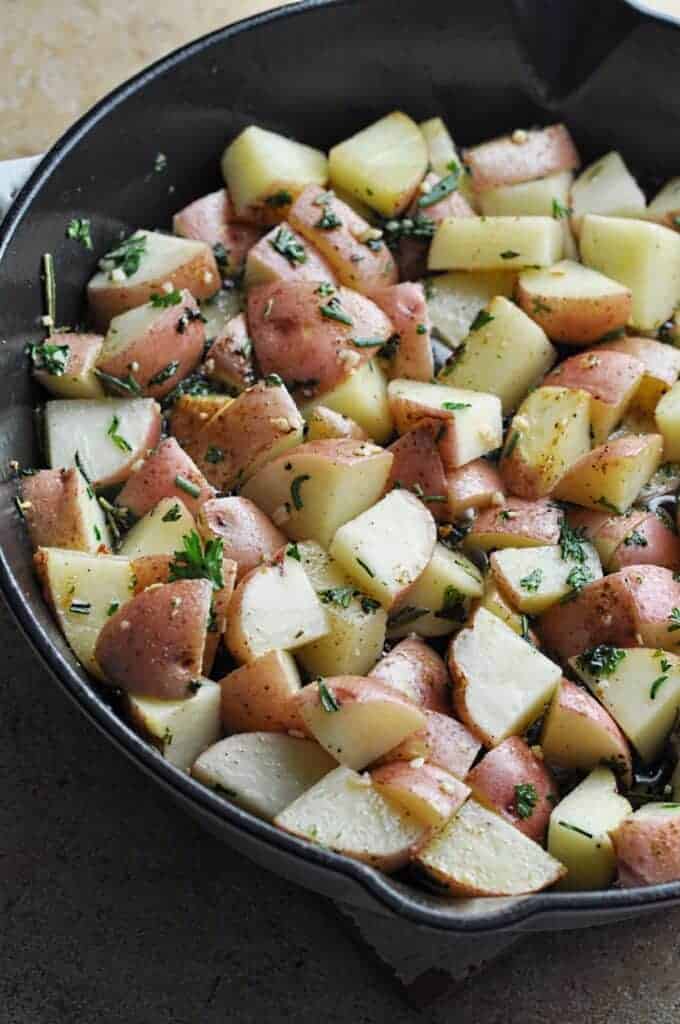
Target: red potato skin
{"type": "Point", "coordinates": [416, 670]}
{"type": "Point", "coordinates": [251, 705]}
{"type": "Point", "coordinates": [648, 849]}
{"type": "Point", "coordinates": [662, 546]}
{"type": "Point", "coordinates": [508, 765]}
{"type": "Point", "coordinates": [476, 485]}
{"type": "Point", "coordinates": [534, 522]}
{"type": "Point", "coordinates": [406, 307]}
{"type": "Point", "coordinates": [351, 689]}
{"type": "Point", "coordinates": [51, 510]}
{"type": "Point", "coordinates": [413, 251]}
{"type": "Point", "coordinates": [356, 265]}
{"type": "Point", "coordinates": [272, 266]}
{"type": "Point", "coordinates": [656, 593]}
{"type": "Point", "coordinates": [444, 742]}
{"type": "Point", "coordinates": [155, 480]}
{"type": "Point", "coordinates": [442, 791]}
{"type": "Point", "coordinates": [606, 375]}
{"type": "Point", "coordinates": [535, 154]}
{"type": "Point", "coordinates": [248, 536]}
{"type": "Point", "coordinates": [150, 570]}
{"type": "Point", "coordinates": [417, 466]}
{"type": "Point", "coordinates": [576, 321]}
{"type": "Point", "coordinates": [656, 357]}
{"type": "Point", "coordinates": [153, 646]}
{"type": "Point", "coordinates": [229, 360]}
{"type": "Point", "coordinates": [294, 339]}
{"type": "Point", "coordinates": [578, 701]}
{"type": "Point", "coordinates": [211, 219]}
{"type": "Point", "coordinates": [172, 337]}
{"type": "Point", "coordinates": [628, 447]}
{"type": "Point", "coordinates": [83, 350]}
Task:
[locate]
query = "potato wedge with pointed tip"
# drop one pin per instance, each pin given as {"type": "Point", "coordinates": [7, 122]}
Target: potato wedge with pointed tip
{"type": "Point", "coordinates": [417, 467]}
{"type": "Point", "coordinates": [284, 255]}
{"type": "Point", "coordinates": [406, 308]}
{"type": "Point", "coordinates": [439, 600]}
{"type": "Point", "coordinates": [661, 364]}
{"type": "Point", "coordinates": [417, 671]}
{"type": "Point", "coordinates": [522, 156]}
{"type": "Point", "coordinates": [612, 380]}
{"type": "Point", "coordinates": [153, 645]}
{"type": "Point", "coordinates": [362, 397]}
{"type": "Point", "coordinates": [429, 793]}
{"type": "Point", "coordinates": [443, 741]}
{"type": "Point", "coordinates": [160, 531]}
{"type": "Point", "coordinates": [647, 845]}
{"type": "Point", "coordinates": [247, 535]}
{"type": "Point", "coordinates": [534, 579]}
{"type": "Point", "coordinates": [212, 219]}
{"type": "Point", "coordinates": [612, 475]}
{"type": "Point", "coordinates": [78, 379]}
{"type": "Point", "coordinates": [356, 719]}
{"type": "Point", "coordinates": [167, 472]}
{"type": "Point", "coordinates": [476, 485]}
{"type": "Point", "coordinates": [454, 300]}
{"type": "Point", "coordinates": [60, 510]}
{"type": "Point", "coordinates": [478, 853]}
{"type": "Point", "coordinates": [324, 424]}
{"type": "Point", "coordinates": [512, 781]}
{"type": "Point", "coordinates": [516, 524]}
{"type": "Point", "coordinates": [263, 772]}
{"type": "Point", "coordinates": [180, 729]}
{"type": "Point", "coordinates": [257, 697]}
{"type": "Point", "coordinates": [229, 360]}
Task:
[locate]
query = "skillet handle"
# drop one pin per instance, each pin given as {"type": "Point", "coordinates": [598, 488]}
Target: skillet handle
{"type": "Point", "coordinates": [565, 40]}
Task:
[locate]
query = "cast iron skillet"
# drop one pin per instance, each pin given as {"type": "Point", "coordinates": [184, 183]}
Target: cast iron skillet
{"type": "Point", "coordinates": [318, 71]}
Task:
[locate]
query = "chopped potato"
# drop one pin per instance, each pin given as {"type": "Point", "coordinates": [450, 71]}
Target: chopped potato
{"type": "Point", "coordinates": [455, 300]}
{"type": "Point", "coordinates": [495, 243]}
{"type": "Point", "coordinates": [606, 187]}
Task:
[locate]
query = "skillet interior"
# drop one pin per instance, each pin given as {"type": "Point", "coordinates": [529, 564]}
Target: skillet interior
{"type": "Point", "coordinates": [316, 71]}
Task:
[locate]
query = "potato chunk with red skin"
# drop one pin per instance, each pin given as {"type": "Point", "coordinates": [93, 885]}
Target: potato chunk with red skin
{"type": "Point", "coordinates": [418, 467]}
{"type": "Point", "coordinates": [212, 219]}
{"type": "Point", "coordinates": [428, 793]}
{"type": "Point", "coordinates": [258, 696]}
{"type": "Point", "coordinates": [651, 542]}
{"type": "Point", "coordinates": [247, 534]}
{"type": "Point", "coordinates": [516, 524]}
{"type": "Point", "coordinates": [344, 242]}
{"type": "Point", "coordinates": [190, 414]}
{"type": "Point", "coordinates": [610, 378]}
{"type": "Point", "coordinates": [168, 472]}
{"type": "Point", "coordinates": [324, 424]}
{"type": "Point", "coordinates": [612, 474]}
{"type": "Point", "coordinates": [78, 379]}
{"type": "Point", "coordinates": [306, 346]}
{"type": "Point", "coordinates": [267, 263]}
{"type": "Point", "coordinates": [661, 367]}
{"type": "Point", "coordinates": [230, 357]}
{"type": "Point", "coordinates": [515, 783]}
{"type": "Point", "coordinates": [444, 742]}
{"type": "Point", "coordinates": [647, 846]}
{"type": "Point", "coordinates": [406, 307]}
{"type": "Point", "coordinates": [158, 346]}
{"type": "Point", "coordinates": [55, 510]}
{"type": "Point", "coordinates": [522, 156]}
{"type": "Point", "coordinates": [417, 671]}
{"type": "Point", "coordinates": [153, 645]}
{"type": "Point", "coordinates": [413, 250]}
{"type": "Point", "coordinates": [476, 485]}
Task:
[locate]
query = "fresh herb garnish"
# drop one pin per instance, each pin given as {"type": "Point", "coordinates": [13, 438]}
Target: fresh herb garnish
{"type": "Point", "coordinates": [481, 320]}
{"type": "Point", "coordinates": [577, 579]}
{"type": "Point", "coordinates": [419, 227]}
{"type": "Point", "coordinates": [532, 582]}
{"type": "Point", "coordinates": [571, 543]}
{"type": "Point", "coordinates": [194, 686]}
{"type": "Point", "coordinates": [453, 605]}
{"type": "Point", "coordinates": [367, 342]}
{"type": "Point", "coordinates": [391, 347]}
{"type": "Point", "coordinates": [50, 357]}
{"type": "Point", "coordinates": [674, 620]}
{"type": "Point", "coordinates": [214, 454]}
{"type": "Point", "coordinates": [173, 514]}
{"type": "Point", "coordinates": [288, 246]}
{"type": "Point", "coordinates": [165, 299]}
{"type": "Point", "coordinates": [117, 439]}
{"type": "Point", "coordinates": [80, 607]}
{"type": "Point", "coordinates": [601, 660]}
{"type": "Point", "coordinates": [295, 490]}
{"type": "Point", "coordinates": [341, 596]}
{"type": "Point", "coordinates": [196, 562]}
{"type": "Point", "coordinates": [278, 199]}
{"type": "Point", "coordinates": [635, 539]}
{"type": "Point", "coordinates": [79, 231]}
{"type": "Point", "coordinates": [656, 686]}
{"type": "Point", "coordinates": [559, 210]}
{"type": "Point", "coordinates": [365, 568]}
{"type": "Point", "coordinates": [113, 608]}
{"type": "Point", "coordinates": [187, 486]}
{"type": "Point", "coordinates": [328, 220]}
{"type": "Point", "coordinates": [221, 255]}
{"type": "Point", "coordinates": [444, 187]}
{"type": "Point", "coordinates": [509, 254]}
{"type": "Point", "coordinates": [165, 374]}
{"type": "Point", "coordinates": [575, 828]}
{"type": "Point", "coordinates": [327, 698]}
{"type": "Point", "coordinates": [188, 317]}
{"type": "Point", "coordinates": [526, 799]}
{"type": "Point", "coordinates": [127, 256]}
{"type": "Point", "coordinates": [293, 551]}
{"type": "Point", "coordinates": [368, 604]}
{"type": "Point", "coordinates": [128, 384]}
{"type": "Point", "coordinates": [409, 613]}
{"type": "Point", "coordinates": [334, 311]}
{"type": "Point", "coordinates": [456, 406]}
{"type": "Point", "coordinates": [325, 289]}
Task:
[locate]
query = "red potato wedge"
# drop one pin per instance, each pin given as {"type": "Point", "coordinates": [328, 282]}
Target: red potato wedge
{"type": "Point", "coordinates": [522, 156]}
{"type": "Point", "coordinates": [248, 536]}
{"type": "Point", "coordinates": [356, 719]}
{"type": "Point", "coordinates": [126, 281]}
{"type": "Point", "coordinates": [661, 367]}
{"type": "Point", "coordinates": [417, 671]}
{"type": "Point", "coordinates": [612, 475]}
{"type": "Point", "coordinates": [82, 431]}
{"type": "Point", "coordinates": [168, 472]}
{"type": "Point", "coordinates": [476, 485]}
{"type": "Point", "coordinates": [497, 703]}
{"type": "Point", "coordinates": [652, 542]}
{"type": "Point", "coordinates": [604, 530]}
{"type": "Point", "coordinates": [230, 358]}
{"type": "Point", "coordinates": [61, 511]}
{"type": "Point", "coordinates": [285, 255]}
{"type": "Point", "coordinates": [579, 734]}
{"type": "Point", "coordinates": [516, 524]}
{"type": "Point", "coordinates": [211, 219]}
{"type": "Point", "coordinates": [190, 414]}
{"type": "Point", "coordinates": [346, 813]}
{"type": "Point", "coordinates": [325, 424]}
{"type": "Point", "coordinates": [572, 303]}
{"type": "Point", "coordinates": [413, 250]}
{"type": "Point", "coordinates": [78, 379]}
{"type": "Point", "coordinates": [478, 853]}
{"type": "Point", "coordinates": [512, 781]}
{"type": "Point", "coordinates": [310, 349]}
{"type": "Point", "coordinates": [274, 608]}
{"type": "Point", "coordinates": [417, 466]}
{"type": "Point", "coordinates": [664, 208]}
{"type": "Point", "coordinates": [444, 742]}
{"type": "Point", "coordinates": [647, 845]}
{"type": "Point", "coordinates": [153, 646]}
{"type": "Point", "coordinates": [156, 345]}
{"type": "Point", "coordinates": [406, 307]}
{"type": "Point", "coordinates": [656, 593]}
{"type": "Point", "coordinates": [258, 697]}
{"type": "Point", "coordinates": [354, 249]}
{"type": "Point", "coordinates": [428, 793]}
{"type": "Point", "coordinates": [255, 428]}
{"type": "Point", "coordinates": [610, 378]}
{"type": "Point", "coordinates": [149, 571]}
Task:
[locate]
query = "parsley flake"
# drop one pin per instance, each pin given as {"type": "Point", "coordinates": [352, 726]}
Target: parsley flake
{"type": "Point", "coordinates": [79, 231]}
{"type": "Point", "coordinates": [195, 562]}
{"type": "Point", "coordinates": [117, 439]}
{"type": "Point", "coordinates": [526, 799]}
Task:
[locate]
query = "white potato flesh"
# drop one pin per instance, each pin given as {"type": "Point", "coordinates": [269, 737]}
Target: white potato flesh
{"type": "Point", "coordinates": [478, 853]}
{"type": "Point", "coordinates": [274, 608]}
{"type": "Point", "coordinates": [86, 427]}
{"type": "Point", "coordinates": [495, 602]}
{"type": "Point", "coordinates": [385, 549]}
{"type": "Point", "coordinates": [505, 356]}
{"type": "Point", "coordinates": [667, 416]}
{"type": "Point", "coordinates": [533, 579]}
{"type": "Point", "coordinates": [263, 772]}
{"type": "Point", "coordinates": [472, 418]}
{"type": "Point", "coordinates": [260, 164]}
{"type": "Point", "coordinates": [442, 152]}
{"type": "Point", "coordinates": [495, 243]}
{"type": "Point", "coordinates": [543, 197]}
{"type": "Point", "coordinates": [383, 164]}
{"type": "Point", "coordinates": [160, 531]}
{"type": "Point", "coordinates": [181, 729]}
{"type": "Point", "coordinates": [345, 813]}
{"type": "Point", "coordinates": [342, 480]}
{"type": "Point", "coordinates": [220, 309]}
{"type": "Point", "coordinates": [665, 206]}
{"type": "Point", "coordinates": [645, 257]}
{"type": "Point", "coordinates": [455, 299]}
{"type": "Point", "coordinates": [606, 187]}
{"type": "Point", "coordinates": [501, 682]}
{"type": "Point", "coordinates": [612, 475]}
{"type": "Point", "coordinates": [641, 693]}
{"type": "Point", "coordinates": [79, 379]}
{"type": "Point", "coordinates": [362, 398]}
{"type": "Point", "coordinates": [356, 628]}
{"type": "Point", "coordinates": [578, 834]}
{"type": "Point", "coordinates": [94, 585]}
{"type": "Point", "coordinates": [440, 599]}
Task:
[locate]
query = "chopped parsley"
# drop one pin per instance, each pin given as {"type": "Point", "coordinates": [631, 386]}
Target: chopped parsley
{"type": "Point", "coordinates": [532, 582]}
{"type": "Point", "coordinates": [327, 698]}
{"type": "Point", "coordinates": [325, 289]}
{"type": "Point", "coordinates": [537, 306]}
{"type": "Point", "coordinates": [128, 385]}
{"type": "Point", "coordinates": [575, 828]}
{"type": "Point", "coordinates": [295, 490]}
{"type": "Point", "coordinates": [194, 686]}
{"type": "Point", "coordinates": [127, 256]}
{"type": "Point", "coordinates": [166, 299]}
{"type": "Point", "coordinates": [367, 342]}
{"type": "Point", "coordinates": [365, 568]}
{"type": "Point", "coordinates": [409, 613]}
{"type": "Point", "coordinates": [221, 255]}
{"type": "Point", "coordinates": [165, 374]}
{"type": "Point", "coordinates": [173, 514]}
{"type": "Point", "coordinates": [79, 231]}
{"type": "Point", "coordinates": [559, 210]}
{"type": "Point", "coordinates": [509, 254]}
{"type": "Point", "coordinates": [342, 596]}
{"type": "Point", "coordinates": [272, 380]}
{"type": "Point", "coordinates": [674, 620]}
{"type": "Point", "coordinates": [80, 607]}
{"type": "Point", "coordinates": [279, 199]}
{"type": "Point", "coordinates": [456, 406]}
{"type": "Point", "coordinates": [117, 438]}
{"type": "Point", "coordinates": [288, 246]}
{"type": "Point", "coordinates": [419, 227]}
{"type": "Point", "coordinates": [481, 320]}
{"type": "Point", "coordinates": [656, 686]}
{"type": "Point", "coordinates": [421, 329]}
{"type": "Point", "coordinates": [214, 454]}
{"type": "Point", "coordinates": [50, 357]}
{"type": "Point", "coordinates": [571, 543]}
{"type": "Point", "coordinates": [453, 605]}
{"type": "Point", "coordinates": [328, 220]}
{"type": "Point", "coordinates": [391, 347]}
{"type": "Point", "coordinates": [601, 660]}
{"type": "Point", "coordinates": [196, 562]}
{"type": "Point", "coordinates": [444, 187]}
{"type": "Point", "coordinates": [113, 608]}
{"type": "Point", "coordinates": [293, 551]}
{"type": "Point", "coordinates": [577, 579]}
{"type": "Point", "coordinates": [332, 310]}
{"type": "Point", "coordinates": [368, 604]}
{"type": "Point", "coordinates": [635, 539]}
{"type": "Point", "coordinates": [187, 486]}
{"type": "Point", "coordinates": [526, 799]}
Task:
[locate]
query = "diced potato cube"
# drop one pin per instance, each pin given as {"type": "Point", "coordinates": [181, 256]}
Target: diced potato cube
{"type": "Point", "coordinates": [439, 601]}
{"type": "Point", "coordinates": [495, 243]}
{"type": "Point", "coordinates": [536, 578]}
{"type": "Point", "coordinates": [665, 206]}
{"type": "Point", "coordinates": [160, 531]}
{"type": "Point", "coordinates": [442, 152]}
{"type": "Point", "coordinates": [611, 476]}
{"type": "Point", "coordinates": [181, 729]}
{"type": "Point", "coordinates": [611, 379]}
{"type": "Point", "coordinates": [454, 300]}
{"type": "Point", "coordinates": [667, 416]}
{"type": "Point", "coordinates": [543, 197]}
{"type": "Point", "coordinates": [363, 398]}
{"type": "Point", "coordinates": [606, 187]}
